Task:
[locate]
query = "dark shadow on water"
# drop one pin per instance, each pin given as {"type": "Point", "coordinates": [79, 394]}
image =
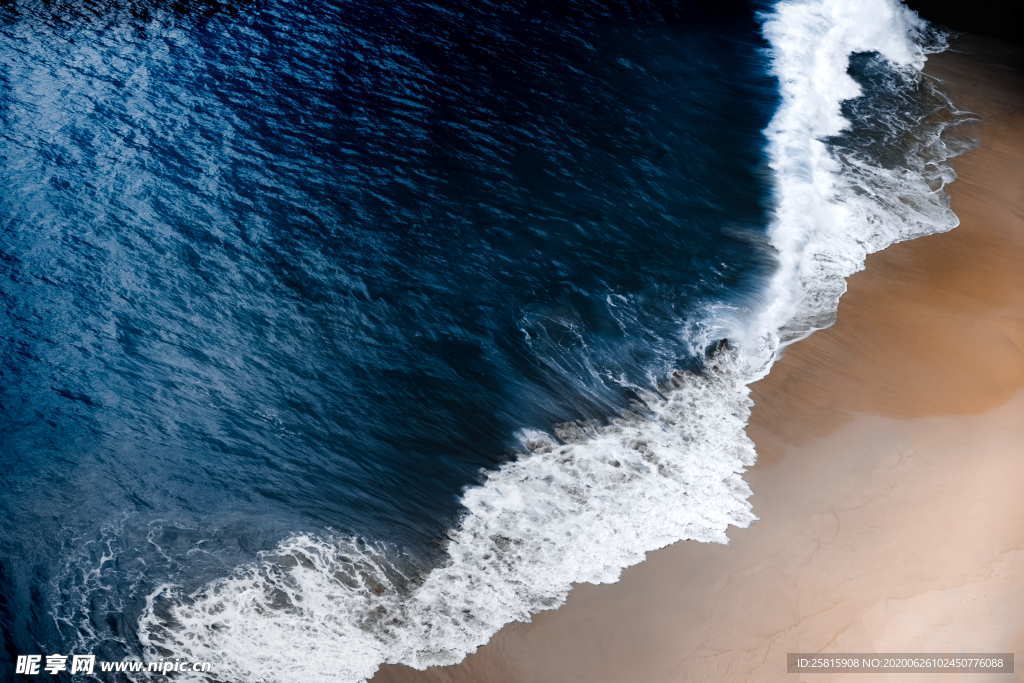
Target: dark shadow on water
{"type": "Point", "coordinates": [57, 12]}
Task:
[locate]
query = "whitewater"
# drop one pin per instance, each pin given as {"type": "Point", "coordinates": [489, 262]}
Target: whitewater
{"type": "Point", "coordinates": [583, 502]}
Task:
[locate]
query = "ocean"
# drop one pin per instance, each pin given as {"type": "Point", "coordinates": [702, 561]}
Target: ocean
{"type": "Point", "coordinates": [337, 334]}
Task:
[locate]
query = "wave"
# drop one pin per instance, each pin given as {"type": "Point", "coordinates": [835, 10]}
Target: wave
{"type": "Point", "coordinates": [586, 501]}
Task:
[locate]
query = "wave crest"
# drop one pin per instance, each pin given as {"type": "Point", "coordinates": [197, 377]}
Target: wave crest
{"type": "Point", "coordinates": [576, 509]}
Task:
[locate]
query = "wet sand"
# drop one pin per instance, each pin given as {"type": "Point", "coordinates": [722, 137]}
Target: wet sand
{"type": "Point", "coordinates": [889, 484]}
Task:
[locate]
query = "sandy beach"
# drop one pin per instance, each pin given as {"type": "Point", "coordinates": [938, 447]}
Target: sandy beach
{"type": "Point", "coordinates": [888, 486]}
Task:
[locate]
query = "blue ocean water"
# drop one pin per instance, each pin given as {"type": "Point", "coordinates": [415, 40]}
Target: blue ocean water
{"type": "Point", "coordinates": [388, 291]}
{"type": "Point", "coordinates": [277, 266]}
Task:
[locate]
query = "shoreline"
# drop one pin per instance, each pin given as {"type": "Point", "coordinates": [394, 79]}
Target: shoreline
{"type": "Point", "coordinates": [888, 450]}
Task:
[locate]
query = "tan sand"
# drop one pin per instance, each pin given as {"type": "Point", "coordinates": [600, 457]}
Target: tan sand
{"type": "Point", "coordinates": [890, 486]}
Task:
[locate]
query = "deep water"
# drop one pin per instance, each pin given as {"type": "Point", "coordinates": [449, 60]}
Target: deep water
{"type": "Point", "coordinates": [278, 266]}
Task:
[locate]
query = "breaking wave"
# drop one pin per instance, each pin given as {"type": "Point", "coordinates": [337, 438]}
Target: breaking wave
{"type": "Point", "coordinates": [858, 164]}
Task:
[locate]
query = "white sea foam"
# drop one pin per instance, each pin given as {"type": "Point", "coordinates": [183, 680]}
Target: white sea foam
{"type": "Point", "coordinates": [829, 214]}
{"type": "Point", "coordinates": [579, 510]}
{"type": "Point", "coordinates": [581, 505]}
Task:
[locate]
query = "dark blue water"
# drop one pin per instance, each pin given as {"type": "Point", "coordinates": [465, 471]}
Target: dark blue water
{"type": "Point", "coordinates": [274, 266]}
